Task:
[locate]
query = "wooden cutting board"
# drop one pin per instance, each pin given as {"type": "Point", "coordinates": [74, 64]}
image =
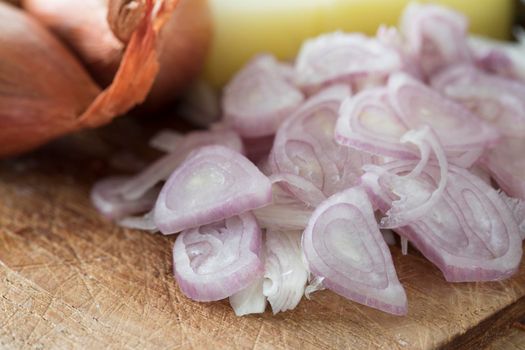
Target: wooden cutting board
{"type": "Point", "coordinates": [70, 279]}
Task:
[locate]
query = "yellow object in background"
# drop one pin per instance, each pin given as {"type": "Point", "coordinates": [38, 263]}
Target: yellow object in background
{"type": "Point", "coordinates": [243, 28]}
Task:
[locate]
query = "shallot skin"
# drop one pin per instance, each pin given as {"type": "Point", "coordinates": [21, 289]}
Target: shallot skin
{"type": "Point", "coordinates": [98, 31]}
{"type": "Point", "coordinates": [43, 88]}
{"type": "Point", "coordinates": [34, 109]}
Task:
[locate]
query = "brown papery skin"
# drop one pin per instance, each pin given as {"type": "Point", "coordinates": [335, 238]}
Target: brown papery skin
{"type": "Point", "coordinates": [82, 25]}
{"type": "Point", "coordinates": [97, 29]}
{"type": "Point", "coordinates": [43, 88]}
{"type": "Point", "coordinates": [45, 93]}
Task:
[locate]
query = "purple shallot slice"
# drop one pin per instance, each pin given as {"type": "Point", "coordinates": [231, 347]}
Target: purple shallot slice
{"type": "Point", "coordinates": [212, 184]}
{"type": "Point", "coordinates": [343, 245]}
{"type": "Point", "coordinates": [215, 261]}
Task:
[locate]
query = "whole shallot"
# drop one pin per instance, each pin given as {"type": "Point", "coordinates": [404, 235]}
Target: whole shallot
{"type": "Point", "coordinates": [45, 92]}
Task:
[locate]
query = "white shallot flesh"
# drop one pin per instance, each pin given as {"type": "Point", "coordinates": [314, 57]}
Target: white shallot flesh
{"type": "Point", "coordinates": [250, 300]}
{"type": "Point", "coordinates": [285, 273]}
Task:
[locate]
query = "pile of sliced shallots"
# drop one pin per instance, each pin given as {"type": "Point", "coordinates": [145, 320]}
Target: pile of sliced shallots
{"type": "Point", "coordinates": [423, 128]}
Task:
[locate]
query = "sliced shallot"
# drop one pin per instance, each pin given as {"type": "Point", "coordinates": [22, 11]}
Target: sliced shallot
{"type": "Point", "coordinates": [503, 58]}
{"type": "Point", "coordinates": [342, 243]}
{"type": "Point", "coordinates": [162, 168]}
{"type": "Point", "coordinates": [412, 203]}
{"type": "Point", "coordinates": [499, 101]}
{"type": "Point", "coordinates": [470, 234]}
{"type": "Point", "coordinates": [458, 129]}
{"type": "Point", "coordinates": [259, 98]}
{"type": "Point", "coordinates": [436, 35]}
{"type": "Point", "coordinates": [305, 147]}
{"type": "Point", "coordinates": [250, 300]}
{"type": "Point", "coordinates": [110, 203]}
{"type": "Point", "coordinates": [368, 122]}
{"type": "Point", "coordinates": [285, 272]}
{"type": "Point", "coordinates": [215, 261]}
{"type": "Point", "coordinates": [344, 58]}
{"type": "Point", "coordinates": [506, 164]}
{"type": "Point", "coordinates": [212, 184]}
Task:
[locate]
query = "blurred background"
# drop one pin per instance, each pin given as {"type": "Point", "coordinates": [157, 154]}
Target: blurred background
{"type": "Point", "coordinates": [244, 27]}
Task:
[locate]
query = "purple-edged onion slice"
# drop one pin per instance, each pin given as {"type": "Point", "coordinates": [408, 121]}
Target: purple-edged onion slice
{"type": "Point", "coordinates": [499, 101]}
{"type": "Point", "coordinates": [285, 272]}
{"type": "Point", "coordinates": [343, 58]}
{"type": "Point", "coordinates": [459, 130]}
{"type": "Point", "coordinates": [503, 58]}
{"type": "Point", "coordinates": [109, 201]}
{"type": "Point", "coordinates": [506, 163]}
{"type": "Point", "coordinates": [414, 203]}
{"type": "Point", "coordinates": [342, 244]}
{"type": "Point", "coordinates": [260, 97]}
{"type": "Point", "coordinates": [368, 122]}
{"type": "Point", "coordinates": [212, 184]}
{"type": "Point", "coordinates": [305, 147]}
{"type": "Point", "coordinates": [161, 169]}
{"type": "Point", "coordinates": [470, 234]}
{"type": "Point", "coordinates": [435, 35]}
{"type": "Point", "coordinates": [215, 261]}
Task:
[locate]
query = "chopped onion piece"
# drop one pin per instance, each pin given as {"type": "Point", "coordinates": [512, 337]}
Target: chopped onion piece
{"type": "Point", "coordinates": [212, 184]}
{"type": "Point", "coordinates": [285, 272]}
{"type": "Point", "coordinates": [260, 97]}
{"type": "Point", "coordinates": [215, 261]}
{"type": "Point", "coordinates": [435, 35]}
{"type": "Point", "coordinates": [305, 146]}
{"type": "Point", "coordinates": [166, 140]}
{"type": "Point", "coordinates": [109, 202]}
{"type": "Point", "coordinates": [458, 129]}
{"type": "Point", "coordinates": [503, 58]}
{"type": "Point", "coordinates": [301, 188]}
{"type": "Point", "coordinates": [470, 234]}
{"type": "Point", "coordinates": [506, 164]}
{"type": "Point", "coordinates": [374, 120]}
{"type": "Point", "coordinates": [368, 122]}
{"type": "Point", "coordinates": [343, 58]}
{"type": "Point", "coordinates": [250, 300]}
{"type": "Point", "coordinates": [499, 101]}
{"type": "Point", "coordinates": [414, 202]}
{"type": "Point", "coordinates": [162, 168]}
{"type": "Point", "coordinates": [283, 217]}
{"type": "Point", "coordinates": [342, 243]}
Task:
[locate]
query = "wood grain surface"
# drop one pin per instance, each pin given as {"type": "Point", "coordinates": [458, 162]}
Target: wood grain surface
{"type": "Point", "coordinates": [70, 279]}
